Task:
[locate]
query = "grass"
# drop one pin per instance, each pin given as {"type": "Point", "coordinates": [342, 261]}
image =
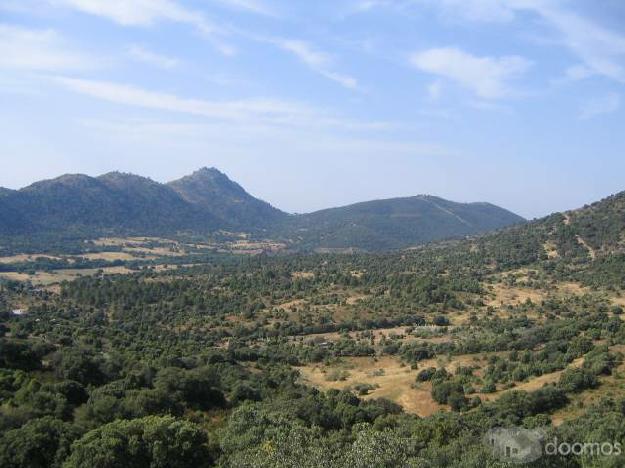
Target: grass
{"type": "Point", "coordinates": [394, 383]}
{"type": "Point", "coordinates": [50, 278]}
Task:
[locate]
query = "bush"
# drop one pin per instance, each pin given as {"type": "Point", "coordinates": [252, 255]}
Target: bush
{"type": "Point", "coordinates": [426, 374]}
{"type": "Point", "coordinates": [576, 380]}
{"type": "Point", "coordinates": [441, 391]}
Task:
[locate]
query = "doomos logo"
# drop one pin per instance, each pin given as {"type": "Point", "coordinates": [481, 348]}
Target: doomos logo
{"type": "Point", "coordinates": [516, 445]}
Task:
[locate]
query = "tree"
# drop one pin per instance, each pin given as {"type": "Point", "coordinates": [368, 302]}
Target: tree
{"type": "Point", "coordinates": [41, 443]}
{"type": "Point", "coordinates": [150, 442]}
{"type": "Point", "coordinates": [14, 355]}
{"type": "Point", "coordinates": [79, 366]}
{"type": "Point", "coordinates": [576, 380]}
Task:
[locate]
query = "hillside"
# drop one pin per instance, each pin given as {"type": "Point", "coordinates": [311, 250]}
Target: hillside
{"type": "Point", "coordinates": [213, 192]}
{"type": "Point", "coordinates": [319, 360]}
{"type": "Point", "coordinates": [396, 223]}
{"type": "Point", "coordinates": [83, 205]}
{"type": "Point", "coordinates": [587, 245]}
{"type": "Point", "coordinates": [80, 206]}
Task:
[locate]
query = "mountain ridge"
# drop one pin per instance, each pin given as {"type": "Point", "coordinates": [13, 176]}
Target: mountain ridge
{"type": "Point", "coordinates": [203, 186]}
{"type": "Point", "coordinates": [398, 222]}
{"type": "Point", "coordinates": [208, 201]}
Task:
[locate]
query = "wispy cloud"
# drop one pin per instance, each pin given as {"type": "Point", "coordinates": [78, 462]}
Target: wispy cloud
{"type": "Point", "coordinates": [599, 106]}
{"type": "Point", "coordinates": [272, 110]}
{"type": "Point", "coordinates": [473, 10]}
{"type": "Point", "coordinates": [149, 12]}
{"type": "Point", "coordinates": [316, 60]}
{"type": "Point", "coordinates": [252, 6]}
{"type": "Point", "coordinates": [487, 77]}
{"type": "Point", "coordinates": [138, 12]}
{"type": "Point", "coordinates": [481, 10]}
{"type": "Point", "coordinates": [145, 55]}
{"type": "Point", "coordinates": [40, 50]}
{"type": "Point", "coordinates": [601, 50]}
{"type": "Point", "coordinates": [259, 111]}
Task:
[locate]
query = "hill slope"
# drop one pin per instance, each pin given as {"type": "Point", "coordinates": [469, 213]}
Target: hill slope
{"type": "Point", "coordinates": [80, 206]}
{"type": "Point", "coordinates": [586, 245]}
{"type": "Point", "coordinates": [213, 192]}
{"type": "Point", "coordinates": [83, 205]}
{"type": "Point", "coordinates": [396, 223]}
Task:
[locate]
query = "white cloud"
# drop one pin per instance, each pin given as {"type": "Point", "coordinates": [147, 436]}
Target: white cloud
{"type": "Point", "coordinates": [474, 10]}
{"type": "Point", "coordinates": [479, 10]}
{"type": "Point", "coordinates": [305, 52]}
{"type": "Point", "coordinates": [251, 6]}
{"type": "Point", "coordinates": [601, 50]}
{"type": "Point", "coordinates": [273, 110]}
{"type": "Point", "coordinates": [487, 77]}
{"type": "Point", "coordinates": [344, 80]}
{"type": "Point", "coordinates": [145, 13]}
{"type": "Point", "coordinates": [138, 12]}
{"type": "Point", "coordinates": [38, 49]}
{"type": "Point", "coordinates": [599, 106]}
{"type": "Point", "coordinates": [152, 58]}
{"type": "Point", "coordinates": [316, 60]}
{"type": "Point", "coordinates": [260, 111]}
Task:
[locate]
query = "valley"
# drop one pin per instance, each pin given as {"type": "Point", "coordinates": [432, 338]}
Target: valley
{"type": "Point", "coordinates": [232, 334]}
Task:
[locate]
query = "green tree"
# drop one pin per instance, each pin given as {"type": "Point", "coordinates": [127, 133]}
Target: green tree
{"type": "Point", "coordinates": [41, 443]}
{"type": "Point", "coordinates": [150, 442]}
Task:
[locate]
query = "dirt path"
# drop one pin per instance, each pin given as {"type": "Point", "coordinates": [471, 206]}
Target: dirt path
{"type": "Point", "coordinates": [589, 249]}
{"type": "Point", "coordinates": [580, 240]}
{"type": "Point", "coordinates": [567, 219]}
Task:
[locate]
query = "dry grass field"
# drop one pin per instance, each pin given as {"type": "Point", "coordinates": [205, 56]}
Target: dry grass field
{"type": "Point", "coordinates": [57, 276]}
{"type": "Point", "coordinates": [502, 294]}
{"type": "Point", "coordinates": [110, 256]}
{"type": "Point", "coordinates": [391, 378]}
{"type": "Point", "coordinates": [25, 258]}
{"type": "Point", "coordinates": [394, 381]}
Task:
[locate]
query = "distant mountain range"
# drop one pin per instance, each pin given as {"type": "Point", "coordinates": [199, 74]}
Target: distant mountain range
{"type": "Point", "coordinates": [207, 201]}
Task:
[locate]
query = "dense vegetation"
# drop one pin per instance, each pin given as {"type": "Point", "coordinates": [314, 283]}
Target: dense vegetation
{"type": "Point", "coordinates": [202, 366]}
{"type": "Point", "coordinates": [78, 207]}
{"type": "Point", "coordinates": [395, 223]}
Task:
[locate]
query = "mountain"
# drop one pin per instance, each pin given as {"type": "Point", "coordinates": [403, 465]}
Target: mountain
{"type": "Point", "coordinates": [81, 206]}
{"type": "Point", "coordinates": [213, 192]}
{"type": "Point", "coordinates": [396, 223]}
{"type": "Point", "coordinates": [77, 204]}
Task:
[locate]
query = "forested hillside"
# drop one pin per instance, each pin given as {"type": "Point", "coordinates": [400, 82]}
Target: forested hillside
{"type": "Point", "coordinates": [207, 202]}
{"type": "Point", "coordinates": [400, 359]}
{"type": "Point", "coordinates": [396, 223]}
{"type": "Point", "coordinates": [214, 192]}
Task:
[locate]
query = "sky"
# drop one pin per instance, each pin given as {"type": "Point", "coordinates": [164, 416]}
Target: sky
{"type": "Point", "coordinates": [313, 104]}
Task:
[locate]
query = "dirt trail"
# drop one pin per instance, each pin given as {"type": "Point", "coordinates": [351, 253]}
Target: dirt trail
{"type": "Point", "coordinates": [589, 249]}
{"type": "Point", "coordinates": [580, 240]}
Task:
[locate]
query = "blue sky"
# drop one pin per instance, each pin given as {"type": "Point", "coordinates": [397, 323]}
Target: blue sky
{"type": "Point", "coordinates": [312, 104]}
